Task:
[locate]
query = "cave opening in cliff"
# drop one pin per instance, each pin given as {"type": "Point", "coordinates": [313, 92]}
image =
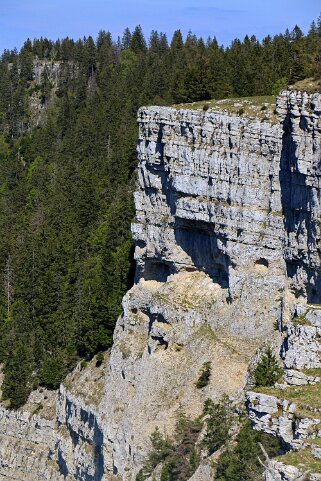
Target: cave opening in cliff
{"type": "Point", "coordinates": [262, 262]}
{"type": "Point", "coordinates": [204, 248]}
{"type": "Point", "coordinates": [155, 270]}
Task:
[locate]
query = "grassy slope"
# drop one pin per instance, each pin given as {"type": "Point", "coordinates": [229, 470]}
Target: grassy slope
{"type": "Point", "coordinates": [262, 108]}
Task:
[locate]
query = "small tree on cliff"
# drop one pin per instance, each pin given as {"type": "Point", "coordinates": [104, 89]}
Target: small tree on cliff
{"type": "Point", "coordinates": [267, 371]}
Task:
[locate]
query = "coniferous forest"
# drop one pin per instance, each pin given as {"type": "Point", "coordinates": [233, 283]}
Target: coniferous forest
{"type": "Point", "coordinates": [67, 174]}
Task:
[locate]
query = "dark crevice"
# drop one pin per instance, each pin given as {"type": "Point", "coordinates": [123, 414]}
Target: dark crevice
{"type": "Point", "coordinates": [161, 341]}
{"type": "Point", "coordinates": [156, 270]}
{"type": "Point", "coordinates": [156, 317]}
{"type": "Point", "coordinates": [262, 262]}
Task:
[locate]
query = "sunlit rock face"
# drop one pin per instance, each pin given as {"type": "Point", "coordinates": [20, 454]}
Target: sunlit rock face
{"type": "Point", "coordinates": [227, 235]}
{"type": "Point", "coordinates": [209, 200]}
{"type": "Point", "coordinates": [225, 248]}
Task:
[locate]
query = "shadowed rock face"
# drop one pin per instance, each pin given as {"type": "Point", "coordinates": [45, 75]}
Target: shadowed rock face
{"type": "Point", "coordinates": [227, 240]}
{"type": "Point", "coordinates": [300, 173]}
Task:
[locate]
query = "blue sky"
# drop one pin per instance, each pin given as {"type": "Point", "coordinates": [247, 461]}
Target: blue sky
{"type": "Point", "coordinates": [227, 19]}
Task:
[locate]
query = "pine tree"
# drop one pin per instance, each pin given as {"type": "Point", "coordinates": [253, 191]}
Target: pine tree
{"type": "Point", "coordinates": [137, 41]}
{"type": "Point", "coordinates": [126, 39]}
{"type": "Point", "coordinates": [267, 371]}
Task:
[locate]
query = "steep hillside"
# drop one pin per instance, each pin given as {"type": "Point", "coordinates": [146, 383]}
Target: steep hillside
{"type": "Point", "coordinates": [227, 250]}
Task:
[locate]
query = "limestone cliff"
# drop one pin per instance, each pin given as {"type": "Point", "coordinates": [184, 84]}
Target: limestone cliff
{"type": "Point", "coordinates": [227, 237]}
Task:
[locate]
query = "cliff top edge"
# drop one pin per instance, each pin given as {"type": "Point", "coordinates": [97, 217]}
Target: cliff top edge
{"type": "Point", "coordinates": [270, 109]}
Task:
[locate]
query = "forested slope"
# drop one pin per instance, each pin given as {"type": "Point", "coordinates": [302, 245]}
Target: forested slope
{"type": "Point", "coordinates": [67, 162]}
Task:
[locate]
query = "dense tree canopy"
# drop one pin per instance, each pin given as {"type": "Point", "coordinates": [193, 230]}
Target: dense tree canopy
{"type": "Point", "coordinates": [67, 160]}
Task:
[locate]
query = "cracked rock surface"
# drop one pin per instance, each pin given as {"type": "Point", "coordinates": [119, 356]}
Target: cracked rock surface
{"type": "Point", "coordinates": [227, 238]}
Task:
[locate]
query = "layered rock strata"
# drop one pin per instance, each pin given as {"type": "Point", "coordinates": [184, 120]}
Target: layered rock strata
{"type": "Point", "coordinates": [227, 243]}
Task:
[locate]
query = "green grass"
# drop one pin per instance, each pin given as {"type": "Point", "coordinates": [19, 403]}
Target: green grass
{"type": "Point", "coordinates": [302, 459]}
{"type": "Point", "coordinates": [305, 396]}
{"type": "Point", "coordinates": [309, 85]}
{"type": "Point", "coordinates": [316, 441]}
{"type": "Point", "coordinates": [301, 321]}
{"type": "Point", "coordinates": [315, 372]}
{"type": "Point", "coordinates": [262, 108]}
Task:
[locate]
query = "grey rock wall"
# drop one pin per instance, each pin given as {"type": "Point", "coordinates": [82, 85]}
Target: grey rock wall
{"type": "Point", "coordinates": [227, 242]}
{"type": "Point", "coordinates": [300, 170]}
{"type": "Point", "coordinates": [209, 200]}
{"type": "Point", "coordinates": [27, 446]}
{"type": "Point", "coordinates": [276, 416]}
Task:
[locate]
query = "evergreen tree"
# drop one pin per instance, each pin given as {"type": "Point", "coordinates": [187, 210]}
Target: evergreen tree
{"type": "Point", "coordinates": [126, 40]}
{"type": "Point", "coordinates": [137, 41]}
{"type": "Point", "coordinates": [267, 371]}
{"type": "Point", "coordinates": [242, 463]}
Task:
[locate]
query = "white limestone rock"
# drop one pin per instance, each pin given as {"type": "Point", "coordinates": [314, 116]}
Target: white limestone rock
{"type": "Point", "coordinates": [227, 243]}
{"type": "Point", "coordinates": [276, 416]}
{"type": "Point", "coordinates": [281, 472]}
{"type": "Point", "coordinates": [294, 377]}
{"type": "Point", "coordinates": [316, 452]}
{"type": "Point", "coordinates": [302, 348]}
{"type": "Point", "coordinates": [314, 317]}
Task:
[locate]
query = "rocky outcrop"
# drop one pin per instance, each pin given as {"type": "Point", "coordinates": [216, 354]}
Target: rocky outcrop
{"type": "Point", "coordinates": [46, 69]}
{"type": "Point", "coordinates": [276, 416]}
{"type": "Point", "coordinates": [299, 178]}
{"type": "Point", "coordinates": [27, 441]}
{"type": "Point", "coordinates": [46, 79]}
{"type": "Point", "coordinates": [209, 200]}
{"type": "Point", "coordinates": [302, 346]}
{"type": "Point", "coordinates": [227, 243]}
{"type": "Point", "coordinates": [282, 472]}
{"type": "Point", "coordinates": [297, 421]}
{"type": "Point", "coordinates": [293, 377]}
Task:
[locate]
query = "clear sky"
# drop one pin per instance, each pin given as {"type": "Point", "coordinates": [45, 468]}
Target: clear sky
{"type": "Point", "coordinates": [227, 19]}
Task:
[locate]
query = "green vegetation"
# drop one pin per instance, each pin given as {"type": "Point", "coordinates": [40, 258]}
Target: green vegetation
{"type": "Point", "coordinates": [305, 396]}
{"type": "Point", "coordinates": [100, 359]}
{"type": "Point", "coordinates": [67, 163]}
{"type": "Point", "coordinates": [218, 424]}
{"type": "Point", "coordinates": [301, 320]}
{"type": "Point", "coordinates": [267, 371]}
{"type": "Point", "coordinates": [302, 459]}
{"type": "Point", "coordinates": [161, 448]}
{"type": "Point", "coordinates": [205, 375]}
{"type": "Point", "coordinates": [179, 457]}
{"type": "Point", "coordinates": [241, 462]}
{"type": "Point", "coordinates": [253, 107]}
{"type": "Point", "coordinates": [316, 372]}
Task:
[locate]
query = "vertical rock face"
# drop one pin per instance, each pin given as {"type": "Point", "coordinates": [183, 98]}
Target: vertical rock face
{"type": "Point", "coordinates": [27, 441]}
{"type": "Point", "coordinates": [300, 173]}
{"type": "Point", "coordinates": [209, 200]}
{"type": "Point", "coordinates": [227, 238]}
{"type": "Point", "coordinates": [214, 235]}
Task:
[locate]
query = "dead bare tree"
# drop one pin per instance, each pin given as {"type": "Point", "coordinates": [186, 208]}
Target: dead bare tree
{"type": "Point", "coordinates": [274, 475]}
